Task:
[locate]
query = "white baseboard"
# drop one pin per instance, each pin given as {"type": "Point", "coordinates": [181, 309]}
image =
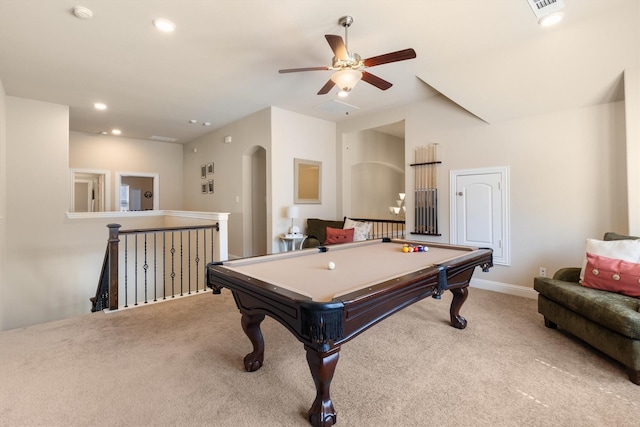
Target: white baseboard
{"type": "Point", "coordinates": [505, 288]}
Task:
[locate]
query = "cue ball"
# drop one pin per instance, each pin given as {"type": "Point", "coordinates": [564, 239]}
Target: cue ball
{"type": "Point", "coordinates": [331, 265]}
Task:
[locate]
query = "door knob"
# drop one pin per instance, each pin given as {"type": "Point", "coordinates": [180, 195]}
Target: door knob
{"type": "Point", "coordinates": [460, 193]}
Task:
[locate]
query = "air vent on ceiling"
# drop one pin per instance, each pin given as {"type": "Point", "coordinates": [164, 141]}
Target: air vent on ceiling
{"type": "Point", "coordinates": [337, 107]}
{"type": "Point", "coordinates": [545, 7]}
{"type": "Point", "coordinates": [163, 138]}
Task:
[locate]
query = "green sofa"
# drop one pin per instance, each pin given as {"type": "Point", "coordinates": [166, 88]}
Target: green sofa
{"type": "Point", "coordinates": [317, 231]}
{"type": "Point", "coordinates": [608, 321]}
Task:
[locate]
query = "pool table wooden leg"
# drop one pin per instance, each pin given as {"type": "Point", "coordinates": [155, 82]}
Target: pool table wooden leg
{"type": "Point", "coordinates": [459, 297]}
{"type": "Point", "coordinates": [322, 366]}
{"type": "Point", "coordinates": [251, 327]}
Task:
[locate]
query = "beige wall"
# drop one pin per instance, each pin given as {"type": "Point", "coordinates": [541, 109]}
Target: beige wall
{"type": "Point", "coordinates": [373, 173]}
{"type": "Point", "coordinates": [302, 137]}
{"type": "Point", "coordinates": [117, 154]}
{"type": "Point", "coordinates": [285, 136]}
{"type": "Point", "coordinates": [37, 159]}
{"type": "Point", "coordinates": [568, 175]}
{"type": "Point", "coordinates": [632, 116]}
{"type": "Point", "coordinates": [53, 262]}
{"type": "Point", "coordinates": [3, 198]}
{"type": "Point", "coordinates": [229, 195]}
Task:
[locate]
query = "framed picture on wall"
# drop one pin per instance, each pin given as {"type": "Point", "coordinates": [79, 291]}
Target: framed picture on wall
{"type": "Point", "coordinates": [210, 185]}
{"type": "Point", "coordinates": [203, 171]}
{"type": "Point", "coordinates": [204, 188]}
{"type": "Point", "coordinates": [307, 181]}
{"type": "Point", "coordinates": [209, 168]}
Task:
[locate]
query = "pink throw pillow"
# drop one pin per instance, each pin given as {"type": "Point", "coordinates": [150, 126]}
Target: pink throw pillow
{"type": "Point", "coordinates": [613, 275]}
{"type": "Point", "coordinates": [337, 235]}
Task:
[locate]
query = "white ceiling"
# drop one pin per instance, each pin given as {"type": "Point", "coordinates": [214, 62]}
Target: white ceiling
{"type": "Point", "coordinates": [221, 64]}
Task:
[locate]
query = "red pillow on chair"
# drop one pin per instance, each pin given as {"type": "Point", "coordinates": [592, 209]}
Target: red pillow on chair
{"type": "Point", "coordinates": [614, 275]}
{"type": "Point", "coordinates": [338, 235]}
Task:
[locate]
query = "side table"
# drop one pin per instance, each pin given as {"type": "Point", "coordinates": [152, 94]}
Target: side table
{"type": "Point", "coordinates": [292, 240]}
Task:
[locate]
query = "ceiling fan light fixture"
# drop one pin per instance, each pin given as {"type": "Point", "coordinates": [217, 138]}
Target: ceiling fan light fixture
{"type": "Point", "coordinates": [548, 12]}
{"type": "Point", "coordinates": [346, 79]}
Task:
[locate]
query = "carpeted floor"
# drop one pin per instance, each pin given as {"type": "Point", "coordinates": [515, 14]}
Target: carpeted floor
{"type": "Point", "coordinates": [180, 363]}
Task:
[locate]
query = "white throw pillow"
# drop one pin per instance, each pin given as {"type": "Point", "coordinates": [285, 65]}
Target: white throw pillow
{"type": "Point", "coordinates": [626, 250]}
{"type": "Point", "coordinates": [361, 229]}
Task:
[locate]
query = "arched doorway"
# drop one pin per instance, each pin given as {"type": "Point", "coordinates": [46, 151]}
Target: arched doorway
{"type": "Point", "coordinates": [255, 202]}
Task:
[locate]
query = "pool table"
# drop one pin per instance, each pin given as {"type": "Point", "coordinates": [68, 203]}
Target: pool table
{"type": "Point", "coordinates": [324, 308]}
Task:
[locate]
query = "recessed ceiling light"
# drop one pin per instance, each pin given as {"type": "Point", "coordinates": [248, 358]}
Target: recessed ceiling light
{"type": "Point", "coordinates": [116, 131]}
{"type": "Point", "coordinates": [551, 19]}
{"type": "Point", "coordinates": [104, 132]}
{"type": "Point", "coordinates": [100, 106]}
{"type": "Point", "coordinates": [164, 25]}
{"type": "Point", "coordinates": [206, 124]}
{"type": "Point", "coordinates": [193, 121]}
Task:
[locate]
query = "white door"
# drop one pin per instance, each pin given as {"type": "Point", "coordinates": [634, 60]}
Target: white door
{"type": "Point", "coordinates": [479, 211]}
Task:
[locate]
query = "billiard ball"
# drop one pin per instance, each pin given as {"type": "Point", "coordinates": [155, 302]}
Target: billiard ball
{"type": "Point", "coordinates": [331, 265]}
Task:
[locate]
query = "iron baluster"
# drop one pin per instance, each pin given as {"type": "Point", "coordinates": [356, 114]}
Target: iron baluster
{"type": "Point", "coordinates": [189, 261]}
{"type": "Point", "coordinates": [155, 270]}
{"type": "Point", "coordinates": [181, 265]}
{"type": "Point", "coordinates": [173, 265]}
{"type": "Point", "coordinates": [126, 271]}
{"type": "Point", "coordinates": [145, 267]}
{"type": "Point", "coordinates": [197, 260]}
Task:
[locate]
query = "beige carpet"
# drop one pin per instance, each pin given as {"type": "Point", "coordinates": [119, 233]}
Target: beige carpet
{"type": "Point", "coordinates": [179, 363]}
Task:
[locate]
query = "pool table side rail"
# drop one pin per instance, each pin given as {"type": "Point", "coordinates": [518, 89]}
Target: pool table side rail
{"type": "Point", "coordinates": [480, 257]}
{"type": "Point", "coordinates": [362, 310]}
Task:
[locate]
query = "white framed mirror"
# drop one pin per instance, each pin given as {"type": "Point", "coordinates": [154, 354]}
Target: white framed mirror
{"type": "Point", "coordinates": [307, 181]}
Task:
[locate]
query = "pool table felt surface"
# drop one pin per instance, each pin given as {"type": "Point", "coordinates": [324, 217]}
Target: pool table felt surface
{"type": "Point", "coordinates": [357, 265]}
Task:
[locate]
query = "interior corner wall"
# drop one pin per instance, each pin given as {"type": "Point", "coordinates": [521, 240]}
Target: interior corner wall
{"type": "Point", "coordinates": [567, 169]}
{"type": "Point", "coordinates": [37, 168]}
{"type": "Point", "coordinates": [632, 121]}
{"type": "Point", "coordinates": [118, 154]}
{"type": "Point", "coordinates": [229, 193]}
{"type": "Point", "coordinates": [3, 197]}
{"type": "Point", "coordinates": [373, 173]}
{"type": "Point", "coordinates": [298, 136]}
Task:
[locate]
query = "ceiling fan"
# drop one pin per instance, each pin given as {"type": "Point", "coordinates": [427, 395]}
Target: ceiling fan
{"type": "Point", "coordinates": [348, 66]}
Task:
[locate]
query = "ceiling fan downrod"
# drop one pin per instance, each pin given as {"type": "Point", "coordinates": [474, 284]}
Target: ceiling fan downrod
{"type": "Point", "coordinates": [346, 22]}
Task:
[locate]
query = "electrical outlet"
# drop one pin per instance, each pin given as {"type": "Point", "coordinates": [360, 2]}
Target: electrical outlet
{"type": "Point", "coordinates": [543, 271]}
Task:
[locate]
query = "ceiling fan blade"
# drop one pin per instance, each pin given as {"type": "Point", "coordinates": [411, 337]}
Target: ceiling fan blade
{"type": "Point", "coordinates": [327, 87]}
{"type": "Point", "coordinates": [296, 70]}
{"type": "Point", "coordinates": [376, 81]}
{"type": "Point", "coordinates": [337, 46]}
{"type": "Point", "coordinates": [400, 55]}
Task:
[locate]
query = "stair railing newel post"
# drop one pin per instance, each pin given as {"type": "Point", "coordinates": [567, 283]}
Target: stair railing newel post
{"type": "Point", "coordinates": [114, 240]}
